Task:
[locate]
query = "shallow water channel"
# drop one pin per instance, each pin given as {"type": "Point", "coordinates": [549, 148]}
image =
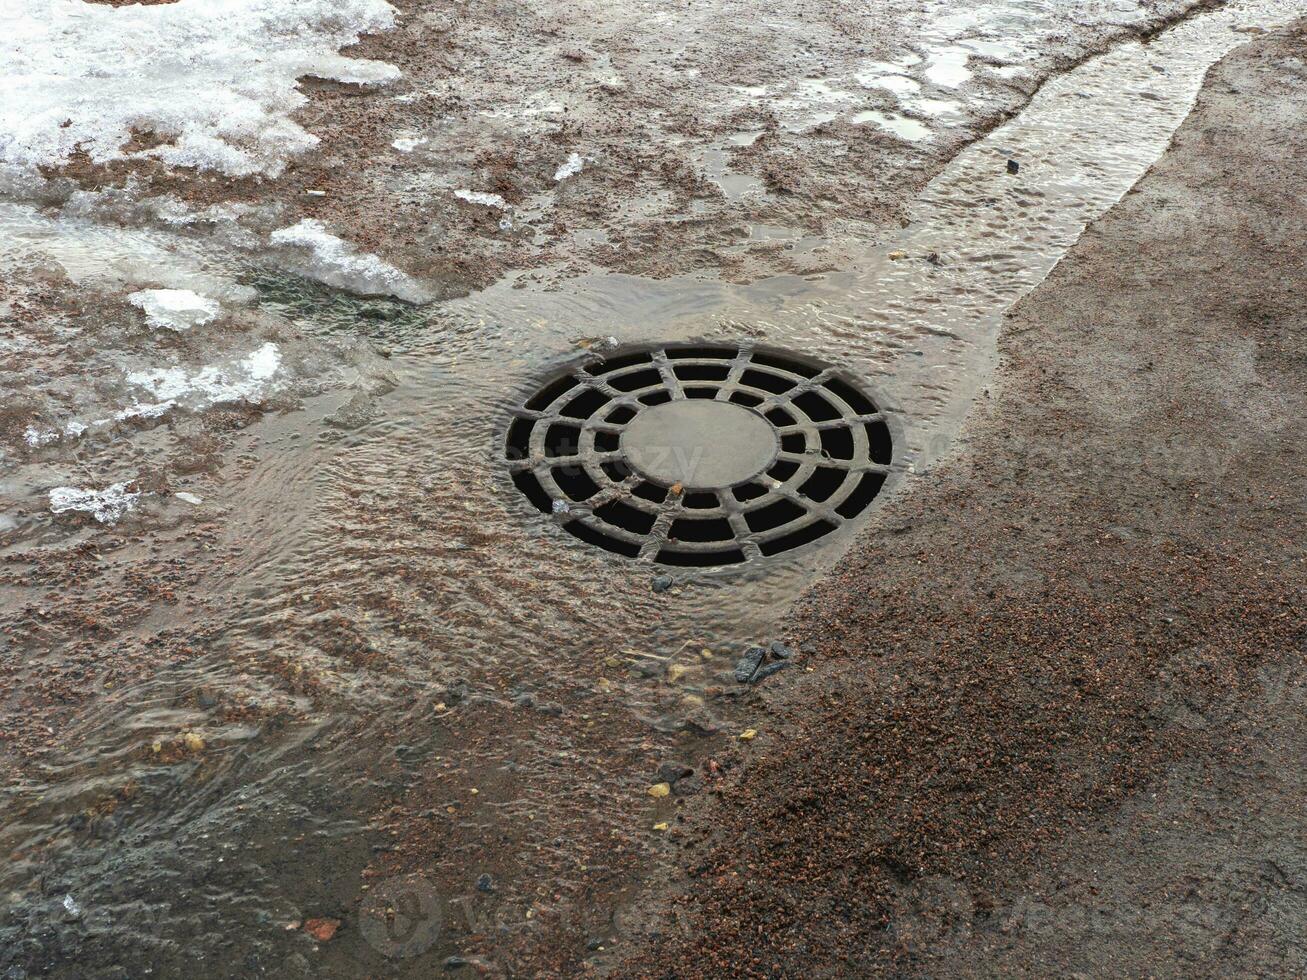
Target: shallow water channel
{"type": "Point", "coordinates": [416, 673]}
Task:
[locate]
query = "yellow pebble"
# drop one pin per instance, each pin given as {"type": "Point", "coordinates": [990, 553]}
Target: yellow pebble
{"type": "Point", "coordinates": [660, 789]}
{"type": "Point", "coordinates": [661, 826]}
{"type": "Point", "coordinates": [193, 742]}
{"type": "Point", "coordinates": [748, 734]}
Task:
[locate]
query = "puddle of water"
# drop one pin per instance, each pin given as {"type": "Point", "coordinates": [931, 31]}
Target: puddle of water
{"type": "Point", "coordinates": [383, 564]}
{"type": "Point", "coordinates": [715, 163]}
{"type": "Point", "coordinates": [947, 67]}
{"type": "Point", "coordinates": [898, 84]}
{"type": "Point", "coordinates": [901, 126]}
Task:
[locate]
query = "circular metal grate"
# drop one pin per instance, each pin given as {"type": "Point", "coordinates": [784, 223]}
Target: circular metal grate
{"type": "Point", "coordinates": [693, 454]}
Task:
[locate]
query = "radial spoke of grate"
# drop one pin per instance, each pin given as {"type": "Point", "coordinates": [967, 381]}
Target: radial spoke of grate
{"type": "Point", "coordinates": [657, 538]}
{"type": "Point", "coordinates": [802, 388]}
{"type": "Point", "coordinates": [544, 420]}
{"type": "Point", "coordinates": [597, 457]}
{"type": "Point", "coordinates": [604, 387]}
{"type": "Point", "coordinates": [843, 422]}
{"type": "Point", "coordinates": [744, 536]}
{"type": "Point", "coordinates": [823, 510]}
{"type": "Point", "coordinates": [670, 380]}
{"type": "Point", "coordinates": [613, 491]}
{"type": "Point", "coordinates": [732, 383]}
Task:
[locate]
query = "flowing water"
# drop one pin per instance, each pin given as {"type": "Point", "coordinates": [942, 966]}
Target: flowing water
{"type": "Point", "coordinates": [411, 669]}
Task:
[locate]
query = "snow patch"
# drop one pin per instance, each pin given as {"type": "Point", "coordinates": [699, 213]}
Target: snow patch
{"type": "Point", "coordinates": [335, 262]}
{"type": "Point", "coordinates": [106, 505]}
{"type": "Point", "coordinates": [35, 438]}
{"type": "Point", "coordinates": [175, 309]}
{"type": "Point", "coordinates": [570, 167]}
{"type": "Point", "coordinates": [216, 78]}
{"type": "Point", "coordinates": [480, 197]}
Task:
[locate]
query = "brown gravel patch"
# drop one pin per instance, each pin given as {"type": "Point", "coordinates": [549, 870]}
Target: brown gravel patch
{"type": "Point", "coordinates": [1088, 619]}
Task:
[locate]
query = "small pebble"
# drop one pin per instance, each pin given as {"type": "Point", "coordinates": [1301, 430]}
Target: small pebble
{"type": "Point", "coordinates": [662, 583]}
{"type": "Point", "coordinates": [485, 884]}
{"type": "Point", "coordinates": [1013, 166]}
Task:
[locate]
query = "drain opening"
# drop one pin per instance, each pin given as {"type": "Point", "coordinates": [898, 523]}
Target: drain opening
{"type": "Point", "coordinates": [700, 455]}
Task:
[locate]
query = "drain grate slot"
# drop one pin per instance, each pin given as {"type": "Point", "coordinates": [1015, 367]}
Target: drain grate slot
{"type": "Point", "coordinates": [699, 455]}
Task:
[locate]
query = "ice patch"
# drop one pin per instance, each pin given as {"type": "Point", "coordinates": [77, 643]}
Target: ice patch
{"type": "Point", "coordinates": [175, 309]}
{"type": "Point", "coordinates": [898, 84]}
{"type": "Point", "coordinates": [105, 256]}
{"type": "Point", "coordinates": [948, 66]}
{"type": "Point", "coordinates": [570, 167]}
{"type": "Point", "coordinates": [480, 197]}
{"type": "Point", "coordinates": [337, 263]}
{"type": "Point", "coordinates": [216, 78]}
{"type": "Point", "coordinates": [246, 379]}
{"type": "Point", "coordinates": [106, 505]}
{"type": "Point", "coordinates": [900, 126]}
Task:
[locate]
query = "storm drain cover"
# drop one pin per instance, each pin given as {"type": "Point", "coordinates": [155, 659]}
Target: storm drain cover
{"type": "Point", "coordinates": [686, 454]}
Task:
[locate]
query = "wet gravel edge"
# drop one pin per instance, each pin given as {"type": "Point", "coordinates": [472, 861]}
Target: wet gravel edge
{"type": "Point", "coordinates": [1091, 616]}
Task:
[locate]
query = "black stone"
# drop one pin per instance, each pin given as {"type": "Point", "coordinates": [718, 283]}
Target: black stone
{"type": "Point", "coordinates": [770, 669]}
{"type": "Point", "coordinates": [662, 583]}
{"type": "Point", "coordinates": [485, 884]}
{"type": "Point", "coordinates": [748, 665]}
{"type": "Point", "coordinates": [670, 772]}
{"type": "Point", "coordinates": [687, 786]}
{"type": "Point", "coordinates": [1013, 166]}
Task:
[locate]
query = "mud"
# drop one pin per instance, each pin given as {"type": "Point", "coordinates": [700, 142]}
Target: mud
{"type": "Point", "coordinates": [1056, 717]}
{"type": "Point", "coordinates": [329, 664]}
{"type": "Point", "coordinates": [707, 140]}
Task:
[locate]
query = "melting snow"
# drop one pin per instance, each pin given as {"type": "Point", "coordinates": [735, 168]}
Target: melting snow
{"type": "Point", "coordinates": [103, 255]}
{"type": "Point", "coordinates": [106, 505]}
{"type": "Point", "coordinates": [175, 309]}
{"type": "Point", "coordinates": [217, 78]}
{"type": "Point", "coordinates": [35, 438]}
{"type": "Point", "coordinates": [337, 263]}
{"type": "Point", "coordinates": [570, 167]}
{"type": "Point", "coordinates": [480, 197]}
{"type": "Point", "coordinates": [247, 378]}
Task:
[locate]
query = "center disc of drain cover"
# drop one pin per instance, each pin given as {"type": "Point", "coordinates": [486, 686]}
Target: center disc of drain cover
{"type": "Point", "coordinates": [700, 444]}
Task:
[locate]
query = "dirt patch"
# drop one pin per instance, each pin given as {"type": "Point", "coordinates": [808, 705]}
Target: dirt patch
{"type": "Point", "coordinates": [1063, 677]}
{"type": "Point", "coordinates": [688, 130]}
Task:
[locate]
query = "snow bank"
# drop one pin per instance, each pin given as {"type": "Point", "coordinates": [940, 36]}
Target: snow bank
{"type": "Point", "coordinates": [334, 262]}
{"type": "Point", "coordinates": [106, 505]}
{"type": "Point", "coordinates": [216, 77]}
{"type": "Point", "coordinates": [175, 309]}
